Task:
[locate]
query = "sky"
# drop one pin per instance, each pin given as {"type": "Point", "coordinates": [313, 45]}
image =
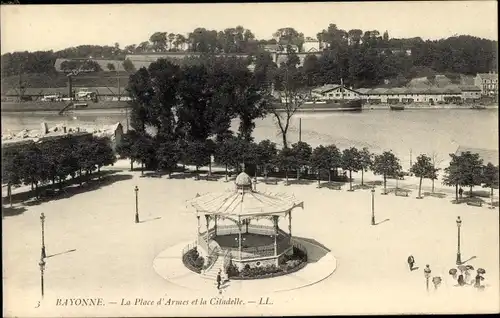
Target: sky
{"type": "Point", "coordinates": [55, 27]}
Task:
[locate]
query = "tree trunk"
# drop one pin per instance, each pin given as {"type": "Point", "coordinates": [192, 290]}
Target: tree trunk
{"type": "Point", "coordinates": [142, 168]}
{"type": "Point", "coordinates": [432, 186]}
{"type": "Point", "coordinates": [350, 180]}
{"type": "Point", "coordinates": [32, 186]}
{"type": "Point", "coordinates": [420, 188]}
{"type": "Point", "coordinates": [131, 164]}
{"type": "Point", "coordinates": [226, 174]}
{"type": "Point", "coordinates": [319, 180]}
{"type": "Point", "coordinates": [491, 196]}
{"type": "Point", "coordinates": [265, 172]}
{"type": "Point", "coordinates": [9, 191]}
{"type": "Point", "coordinates": [283, 136]}
{"type": "Point", "coordinates": [329, 175]}
{"type": "Point", "coordinates": [362, 175]}
{"type": "Point", "coordinates": [298, 173]}
{"type": "Point", "coordinates": [456, 192]}
{"type": "Point", "coordinates": [385, 182]}
{"type": "Point", "coordinates": [80, 176]}
{"type": "Point", "coordinates": [36, 191]}
{"type": "Point", "coordinates": [286, 177]}
{"type": "Point", "coordinates": [210, 168]}
{"type": "Point", "coordinates": [470, 192]}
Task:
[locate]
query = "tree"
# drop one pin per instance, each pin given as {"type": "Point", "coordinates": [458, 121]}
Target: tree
{"type": "Point", "coordinates": [423, 168]}
{"type": "Point", "coordinates": [435, 162]}
{"type": "Point", "coordinates": [302, 154]}
{"type": "Point", "coordinates": [351, 161]}
{"type": "Point", "coordinates": [168, 155]}
{"type": "Point", "coordinates": [103, 152]}
{"type": "Point", "coordinates": [225, 153]}
{"type": "Point", "coordinates": [143, 151]}
{"type": "Point", "coordinates": [335, 160]}
{"type": "Point", "coordinates": [197, 154]}
{"type": "Point", "coordinates": [267, 152]}
{"type": "Point", "coordinates": [452, 174]}
{"type": "Point", "coordinates": [289, 35]}
{"type": "Point", "coordinates": [471, 170]}
{"type": "Point", "coordinates": [128, 66]}
{"type": "Point", "coordinates": [288, 85]}
{"type": "Point", "coordinates": [285, 160]}
{"type": "Point", "coordinates": [320, 160]}
{"type": "Point", "coordinates": [111, 67]}
{"type": "Point", "coordinates": [365, 161]}
{"type": "Point", "coordinates": [386, 164]}
{"type": "Point", "coordinates": [171, 39]}
{"type": "Point", "coordinates": [490, 179]}
{"type": "Point", "coordinates": [159, 41]}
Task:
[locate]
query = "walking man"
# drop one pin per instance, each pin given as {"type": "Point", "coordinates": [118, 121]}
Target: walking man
{"type": "Point", "coordinates": [460, 192]}
{"type": "Point", "coordinates": [411, 262]}
{"type": "Point", "coordinates": [219, 278]}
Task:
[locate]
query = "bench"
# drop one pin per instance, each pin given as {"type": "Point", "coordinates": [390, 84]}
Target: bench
{"type": "Point", "coordinates": [270, 181]}
{"type": "Point", "coordinates": [401, 193]}
{"type": "Point", "coordinates": [211, 178]}
{"type": "Point", "coordinates": [475, 203]}
{"type": "Point", "coordinates": [332, 186]}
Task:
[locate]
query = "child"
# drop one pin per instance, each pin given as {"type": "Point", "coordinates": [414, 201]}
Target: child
{"type": "Point", "coordinates": [411, 262]}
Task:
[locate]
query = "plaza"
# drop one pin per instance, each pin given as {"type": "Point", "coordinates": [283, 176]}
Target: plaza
{"type": "Point", "coordinates": [95, 249]}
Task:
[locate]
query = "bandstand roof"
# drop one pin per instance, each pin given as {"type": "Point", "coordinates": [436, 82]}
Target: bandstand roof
{"type": "Point", "coordinates": [244, 202]}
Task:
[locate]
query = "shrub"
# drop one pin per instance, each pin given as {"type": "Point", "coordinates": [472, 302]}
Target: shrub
{"type": "Point", "coordinates": [199, 262]}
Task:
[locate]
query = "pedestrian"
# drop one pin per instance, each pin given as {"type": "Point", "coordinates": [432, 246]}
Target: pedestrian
{"type": "Point", "coordinates": [219, 278]}
{"type": "Point", "coordinates": [461, 280]}
{"type": "Point", "coordinates": [460, 192]}
{"type": "Point", "coordinates": [437, 281]}
{"type": "Point", "coordinates": [411, 262]}
{"type": "Point", "coordinates": [477, 280]}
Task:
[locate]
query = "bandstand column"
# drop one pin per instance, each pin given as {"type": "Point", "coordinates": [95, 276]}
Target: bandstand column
{"type": "Point", "coordinates": [275, 221]}
{"type": "Point", "coordinates": [215, 225]}
{"type": "Point", "coordinates": [198, 233]}
{"type": "Point", "coordinates": [290, 225]}
{"type": "Point", "coordinates": [239, 238]}
{"type": "Point", "coordinates": [247, 221]}
{"type": "Point", "coordinates": [207, 218]}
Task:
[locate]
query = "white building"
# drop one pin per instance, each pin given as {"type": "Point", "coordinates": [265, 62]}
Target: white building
{"type": "Point", "coordinates": [488, 83]}
{"type": "Point", "coordinates": [334, 92]}
{"type": "Point", "coordinates": [310, 45]}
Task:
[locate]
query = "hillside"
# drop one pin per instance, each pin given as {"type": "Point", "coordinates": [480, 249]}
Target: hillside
{"type": "Point", "coordinates": [37, 80]}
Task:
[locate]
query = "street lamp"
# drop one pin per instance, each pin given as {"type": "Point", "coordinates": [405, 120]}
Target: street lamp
{"type": "Point", "coordinates": [136, 204]}
{"type": "Point", "coordinates": [42, 268]}
{"type": "Point", "coordinates": [42, 220]}
{"type": "Point", "coordinates": [427, 274]}
{"type": "Point", "coordinates": [459, 258]}
{"type": "Point", "coordinates": [373, 206]}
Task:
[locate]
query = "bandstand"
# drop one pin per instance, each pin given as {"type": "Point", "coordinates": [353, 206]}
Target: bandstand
{"type": "Point", "coordinates": [241, 226]}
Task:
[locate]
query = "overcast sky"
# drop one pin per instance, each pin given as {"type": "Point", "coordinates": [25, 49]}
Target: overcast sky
{"type": "Point", "coordinates": [51, 27]}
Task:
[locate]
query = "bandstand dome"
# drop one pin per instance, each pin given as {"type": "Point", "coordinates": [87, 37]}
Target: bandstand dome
{"type": "Point", "coordinates": [245, 202]}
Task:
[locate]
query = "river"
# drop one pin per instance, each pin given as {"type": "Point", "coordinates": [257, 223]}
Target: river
{"type": "Point", "coordinates": [415, 131]}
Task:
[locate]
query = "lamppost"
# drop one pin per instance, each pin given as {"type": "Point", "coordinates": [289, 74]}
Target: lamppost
{"type": "Point", "coordinates": [459, 258]}
{"type": "Point", "coordinates": [427, 274]}
{"type": "Point", "coordinates": [136, 204]}
{"type": "Point", "coordinates": [42, 220]}
{"type": "Point", "coordinates": [373, 206]}
{"type": "Point", "coordinates": [42, 268]}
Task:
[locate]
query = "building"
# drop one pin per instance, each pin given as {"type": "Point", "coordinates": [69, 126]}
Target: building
{"type": "Point", "coordinates": [311, 45]}
{"type": "Point", "coordinates": [488, 82]}
{"type": "Point", "coordinates": [470, 93]}
{"type": "Point", "coordinates": [334, 92]}
{"type": "Point", "coordinates": [280, 48]}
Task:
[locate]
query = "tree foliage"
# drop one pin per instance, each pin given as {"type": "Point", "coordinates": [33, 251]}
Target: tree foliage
{"type": "Point", "coordinates": [387, 165]}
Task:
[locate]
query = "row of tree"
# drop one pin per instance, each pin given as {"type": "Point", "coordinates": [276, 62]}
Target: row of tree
{"type": "Point", "coordinates": [54, 160]}
{"type": "Point", "coordinates": [234, 153]}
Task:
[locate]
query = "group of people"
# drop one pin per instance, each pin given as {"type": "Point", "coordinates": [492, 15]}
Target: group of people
{"type": "Point", "coordinates": [462, 279]}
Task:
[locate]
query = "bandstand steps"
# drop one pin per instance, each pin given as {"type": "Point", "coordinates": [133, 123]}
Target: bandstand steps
{"type": "Point", "coordinates": [212, 272]}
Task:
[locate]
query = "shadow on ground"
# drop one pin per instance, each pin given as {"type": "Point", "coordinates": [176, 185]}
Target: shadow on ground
{"type": "Point", "coordinates": [12, 211]}
{"type": "Point", "coordinates": [47, 192]}
{"type": "Point", "coordinates": [300, 181]}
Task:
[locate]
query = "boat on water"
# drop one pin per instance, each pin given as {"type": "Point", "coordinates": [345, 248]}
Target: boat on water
{"type": "Point", "coordinates": [397, 107]}
{"type": "Point", "coordinates": [325, 104]}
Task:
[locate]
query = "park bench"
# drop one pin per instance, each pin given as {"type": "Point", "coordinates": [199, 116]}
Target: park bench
{"type": "Point", "coordinates": [211, 178]}
{"type": "Point", "coordinates": [475, 203]}
{"type": "Point", "coordinates": [332, 186]}
{"type": "Point", "coordinates": [270, 181]}
{"type": "Point", "coordinates": [401, 193]}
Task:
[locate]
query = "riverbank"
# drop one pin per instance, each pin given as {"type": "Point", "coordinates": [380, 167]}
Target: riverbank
{"type": "Point", "coordinates": [96, 250]}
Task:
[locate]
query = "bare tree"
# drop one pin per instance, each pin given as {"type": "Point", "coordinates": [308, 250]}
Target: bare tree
{"type": "Point", "coordinates": [291, 97]}
{"type": "Point", "coordinates": [436, 161]}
